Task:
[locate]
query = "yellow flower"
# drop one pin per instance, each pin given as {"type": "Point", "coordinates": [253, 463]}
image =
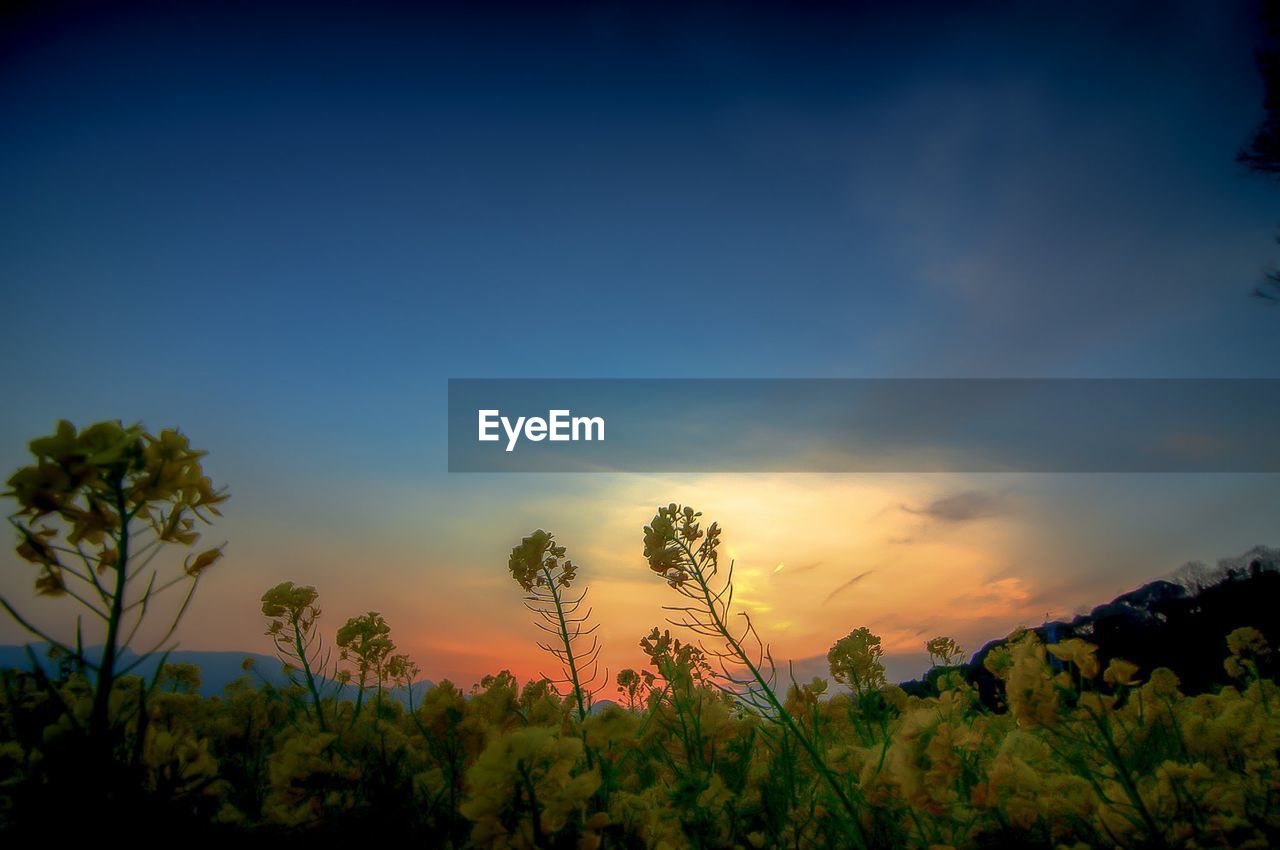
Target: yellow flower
{"type": "Point", "coordinates": [1120, 672]}
{"type": "Point", "coordinates": [1029, 685]}
{"type": "Point", "coordinates": [522, 775]}
{"type": "Point", "coordinates": [1248, 642]}
{"type": "Point", "coordinates": [202, 561]}
{"type": "Point", "coordinates": [855, 661]}
{"type": "Point", "coordinates": [1163, 682]}
{"type": "Point", "coordinates": [1082, 655]}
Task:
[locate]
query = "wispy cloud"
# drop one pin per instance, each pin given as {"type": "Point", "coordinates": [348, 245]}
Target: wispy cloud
{"type": "Point", "coordinates": [848, 584]}
{"type": "Point", "coordinates": [803, 568]}
{"type": "Point", "coordinates": [1002, 598]}
{"type": "Point", "coordinates": [967, 506]}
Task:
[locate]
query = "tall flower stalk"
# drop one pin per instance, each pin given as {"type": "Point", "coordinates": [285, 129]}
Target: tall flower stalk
{"type": "Point", "coordinates": [365, 642]}
{"type": "Point", "coordinates": [679, 551]}
{"type": "Point", "coordinates": [541, 569]}
{"type": "Point", "coordinates": [291, 613]}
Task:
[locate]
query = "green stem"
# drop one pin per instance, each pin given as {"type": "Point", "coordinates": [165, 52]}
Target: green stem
{"type": "Point", "coordinates": [568, 644]}
{"type": "Point", "coordinates": [306, 671]}
{"type": "Point", "coordinates": [99, 722]}
{"type": "Point", "coordinates": [534, 812]}
{"type": "Point", "coordinates": [1126, 778]}
{"type": "Point", "coordinates": [783, 716]}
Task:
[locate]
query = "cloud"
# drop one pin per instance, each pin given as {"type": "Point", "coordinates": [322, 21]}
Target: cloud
{"type": "Point", "coordinates": [848, 584]}
{"type": "Point", "coordinates": [961, 507]}
{"type": "Point", "coordinates": [1003, 598]}
{"type": "Point", "coordinates": [803, 568]}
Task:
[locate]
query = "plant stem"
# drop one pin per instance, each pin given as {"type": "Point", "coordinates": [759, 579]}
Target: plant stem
{"type": "Point", "coordinates": [568, 645]}
{"type": "Point", "coordinates": [99, 722]}
{"type": "Point", "coordinates": [782, 715]}
{"type": "Point", "coordinates": [306, 670]}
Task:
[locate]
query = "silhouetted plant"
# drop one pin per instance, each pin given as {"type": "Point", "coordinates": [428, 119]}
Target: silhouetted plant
{"type": "Point", "coordinates": [686, 557]}
{"type": "Point", "coordinates": [541, 569]}
{"type": "Point", "coordinates": [292, 614]}
{"type": "Point", "coordinates": [630, 687]}
{"type": "Point", "coordinates": [365, 641]}
{"type": "Point", "coordinates": [94, 510]}
{"type": "Point", "coordinates": [943, 651]}
{"type": "Point", "coordinates": [856, 661]}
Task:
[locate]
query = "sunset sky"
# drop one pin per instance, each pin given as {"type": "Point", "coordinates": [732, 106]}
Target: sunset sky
{"type": "Point", "coordinates": [283, 228]}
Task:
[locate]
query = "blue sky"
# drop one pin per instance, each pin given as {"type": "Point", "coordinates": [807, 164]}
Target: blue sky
{"type": "Point", "coordinates": [283, 228]}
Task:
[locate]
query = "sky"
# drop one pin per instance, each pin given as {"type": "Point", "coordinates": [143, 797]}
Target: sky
{"type": "Point", "coordinates": [283, 228]}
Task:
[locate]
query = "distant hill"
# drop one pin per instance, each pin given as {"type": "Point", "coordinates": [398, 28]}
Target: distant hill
{"type": "Point", "coordinates": [1181, 624]}
{"type": "Point", "coordinates": [217, 668]}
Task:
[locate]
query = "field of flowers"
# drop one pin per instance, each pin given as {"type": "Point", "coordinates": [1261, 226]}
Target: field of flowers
{"type": "Point", "coordinates": [708, 745]}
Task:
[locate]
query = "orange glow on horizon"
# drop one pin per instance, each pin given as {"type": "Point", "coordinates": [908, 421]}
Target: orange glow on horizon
{"type": "Point", "coordinates": [813, 556]}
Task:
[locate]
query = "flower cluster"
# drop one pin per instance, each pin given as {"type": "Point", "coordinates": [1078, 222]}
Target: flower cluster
{"type": "Point", "coordinates": [669, 541]}
{"type": "Point", "coordinates": [539, 562]}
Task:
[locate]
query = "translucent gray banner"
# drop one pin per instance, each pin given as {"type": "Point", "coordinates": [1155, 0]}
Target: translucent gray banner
{"type": "Point", "coordinates": [864, 425]}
